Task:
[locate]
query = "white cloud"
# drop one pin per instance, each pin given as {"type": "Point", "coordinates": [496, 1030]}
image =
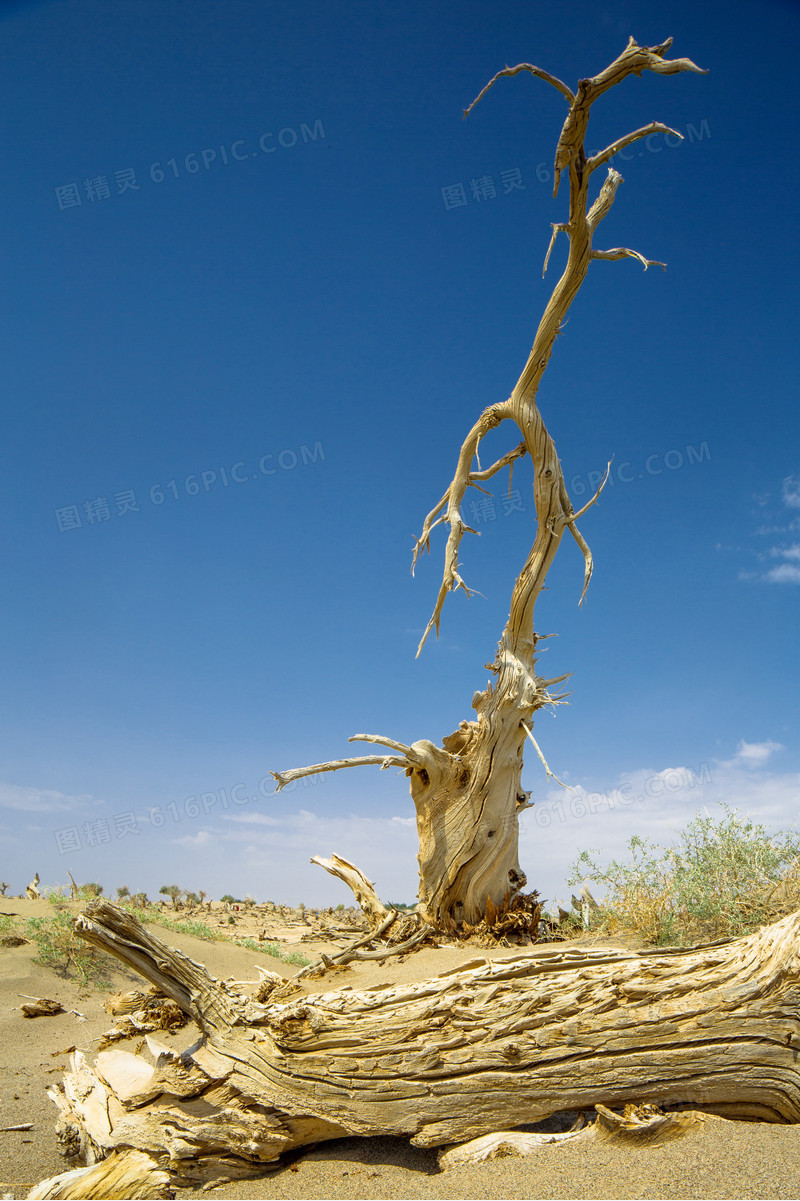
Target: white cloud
{"type": "Point", "coordinates": [41, 800]}
{"type": "Point", "coordinates": [752, 754]}
{"type": "Point", "coordinates": [790, 491]}
{"type": "Point", "coordinates": [787, 552]}
{"type": "Point", "coordinates": [201, 839]}
{"type": "Point", "coordinates": [787, 573]}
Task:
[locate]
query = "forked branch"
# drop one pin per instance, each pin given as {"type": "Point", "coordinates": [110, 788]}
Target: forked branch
{"type": "Point", "coordinates": [554, 511]}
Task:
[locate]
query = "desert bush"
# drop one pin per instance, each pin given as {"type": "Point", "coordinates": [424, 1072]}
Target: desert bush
{"type": "Point", "coordinates": [724, 877]}
{"type": "Point", "coordinates": [60, 948]}
{"type": "Point", "coordinates": [56, 894]}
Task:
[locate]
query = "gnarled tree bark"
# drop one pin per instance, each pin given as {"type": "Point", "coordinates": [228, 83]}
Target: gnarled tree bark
{"type": "Point", "coordinates": [443, 1061]}
{"type": "Point", "coordinates": [468, 792]}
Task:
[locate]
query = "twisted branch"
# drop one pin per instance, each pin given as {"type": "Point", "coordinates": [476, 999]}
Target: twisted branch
{"type": "Point", "coordinates": [554, 510]}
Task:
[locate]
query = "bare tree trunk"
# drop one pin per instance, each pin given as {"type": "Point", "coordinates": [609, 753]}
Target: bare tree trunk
{"type": "Point", "coordinates": [445, 1060]}
{"type": "Point", "coordinates": [468, 793]}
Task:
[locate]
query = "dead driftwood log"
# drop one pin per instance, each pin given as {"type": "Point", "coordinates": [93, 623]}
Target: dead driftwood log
{"type": "Point", "coordinates": [490, 1046]}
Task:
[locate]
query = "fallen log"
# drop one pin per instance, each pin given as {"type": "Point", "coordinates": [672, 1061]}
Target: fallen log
{"type": "Point", "coordinates": [489, 1046]}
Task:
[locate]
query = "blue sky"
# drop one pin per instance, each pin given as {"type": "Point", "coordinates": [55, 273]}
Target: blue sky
{"type": "Point", "coordinates": [260, 278]}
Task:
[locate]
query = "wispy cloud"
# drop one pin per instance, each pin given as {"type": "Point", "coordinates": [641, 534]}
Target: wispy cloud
{"type": "Point", "coordinates": [790, 491]}
{"type": "Point", "coordinates": [192, 841]}
{"type": "Point", "coordinates": [787, 571]}
{"type": "Point", "coordinates": [42, 800]}
{"type": "Point", "coordinates": [752, 754]}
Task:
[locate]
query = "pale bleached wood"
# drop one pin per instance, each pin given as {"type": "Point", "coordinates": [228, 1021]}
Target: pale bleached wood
{"type": "Point", "coordinates": [638, 1126]}
{"type": "Point", "coordinates": [445, 1060]}
{"type": "Point", "coordinates": [362, 888]}
{"type": "Point", "coordinates": [122, 1175]}
{"type": "Point", "coordinates": [467, 793]}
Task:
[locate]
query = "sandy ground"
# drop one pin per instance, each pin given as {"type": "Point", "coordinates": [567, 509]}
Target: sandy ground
{"type": "Point", "coordinates": [727, 1160]}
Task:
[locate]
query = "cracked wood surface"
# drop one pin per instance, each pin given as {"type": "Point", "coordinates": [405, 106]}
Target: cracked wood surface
{"type": "Point", "coordinates": [443, 1060]}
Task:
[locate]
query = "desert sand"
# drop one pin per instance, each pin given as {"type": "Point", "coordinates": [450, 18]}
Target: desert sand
{"type": "Point", "coordinates": [726, 1160]}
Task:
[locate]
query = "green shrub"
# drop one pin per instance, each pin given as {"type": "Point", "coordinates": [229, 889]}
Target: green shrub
{"type": "Point", "coordinates": [58, 894]}
{"type": "Point", "coordinates": [61, 949]}
{"type": "Point", "coordinates": [723, 877]}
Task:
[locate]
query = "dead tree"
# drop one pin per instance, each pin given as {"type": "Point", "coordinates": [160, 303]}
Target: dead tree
{"type": "Point", "coordinates": [492, 1044]}
{"type": "Point", "coordinates": [443, 1061]}
{"type": "Point", "coordinates": [468, 792]}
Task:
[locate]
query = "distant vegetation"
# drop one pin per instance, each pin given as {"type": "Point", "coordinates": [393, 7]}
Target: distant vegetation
{"type": "Point", "coordinates": [722, 878]}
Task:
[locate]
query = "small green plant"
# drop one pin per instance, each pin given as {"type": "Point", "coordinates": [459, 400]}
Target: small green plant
{"type": "Point", "coordinates": [209, 934]}
{"type": "Point", "coordinates": [231, 920]}
{"type": "Point", "coordinates": [724, 877]}
{"type": "Point", "coordinates": [89, 892]}
{"type": "Point", "coordinates": [61, 949]}
{"type": "Point", "coordinates": [123, 892]}
{"type": "Point", "coordinates": [273, 949]}
{"type": "Point", "coordinates": [56, 895]}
